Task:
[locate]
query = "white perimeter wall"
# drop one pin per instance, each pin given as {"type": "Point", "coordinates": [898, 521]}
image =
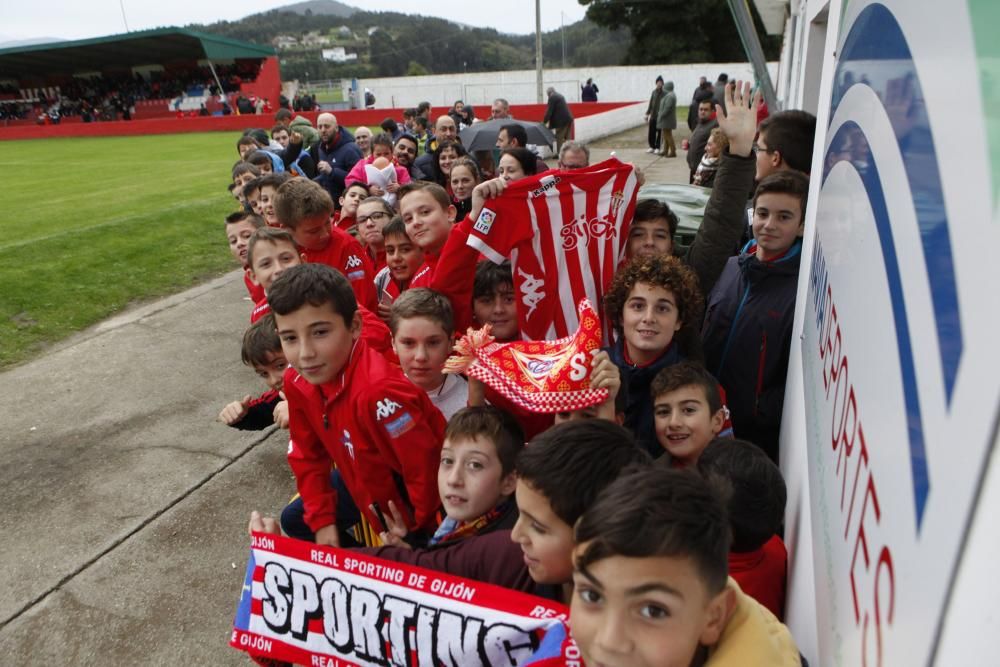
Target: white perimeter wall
{"type": "Point", "coordinates": [616, 84]}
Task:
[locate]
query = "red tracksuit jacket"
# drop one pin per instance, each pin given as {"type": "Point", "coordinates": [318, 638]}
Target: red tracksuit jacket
{"type": "Point", "coordinates": [452, 273]}
{"type": "Point", "coordinates": [372, 423]}
{"type": "Point", "coordinates": [346, 255]}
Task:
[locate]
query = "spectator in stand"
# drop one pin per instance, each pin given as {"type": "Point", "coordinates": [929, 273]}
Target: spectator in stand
{"type": "Point", "coordinates": [291, 153]}
{"type": "Point", "coordinates": [298, 124]}
{"type": "Point", "coordinates": [464, 177]}
{"type": "Point", "coordinates": [335, 155]}
{"type": "Point", "coordinates": [408, 116]}
{"type": "Point", "coordinates": [424, 110]}
{"type": "Point", "coordinates": [513, 135]}
{"type": "Point", "coordinates": [719, 90]}
{"type": "Point", "coordinates": [758, 560]}
{"type": "Point", "coordinates": [696, 144]}
{"type": "Point", "coordinates": [380, 159]}
{"type": "Point", "coordinates": [444, 130]}
{"type": "Point", "coordinates": [589, 91]}
{"type": "Point", "coordinates": [747, 333]}
{"type": "Point", "coordinates": [701, 93]}
{"type": "Point", "coordinates": [652, 113]}
{"type": "Point", "coordinates": [574, 155]}
{"type": "Point", "coordinates": [666, 121]}
{"type": "Point", "coordinates": [444, 157]}
{"type": "Point", "coordinates": [369, 99]}
{"type": "Point", "coordinates": [405, 152]}
{"type": "Point", "coordinates": [558, 117]}
{"type": "Point", "coordinates": [363, 138]}
{"type": "Point", "coordinates": [515, 164]}
{"type": "Point", "coordinates": [421, 134]}
{"type": "Point", "coordinates": [704, 175]}
{"type": "Point", "coordinates": [500, 109]}
{"type": "Point", "coordinates": [391, 127]}
{"type": "Point", "coordinates": [462, 115]}
{"type": "Point", "coordinates": [373, 214]}
{"type": "Point", "coordinates": [785, 141]}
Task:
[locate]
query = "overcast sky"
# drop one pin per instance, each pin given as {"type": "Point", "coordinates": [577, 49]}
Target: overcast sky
{"type": "Point", "coordinates": [80, 19]}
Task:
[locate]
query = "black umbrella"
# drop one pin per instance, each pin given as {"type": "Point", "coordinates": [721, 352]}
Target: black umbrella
{"type": "Point", "coordinates": [483, 136]}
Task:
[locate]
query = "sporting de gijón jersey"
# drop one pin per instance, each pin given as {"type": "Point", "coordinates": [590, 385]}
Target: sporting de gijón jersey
{"type": "Point", "coordinates": [565, 233]}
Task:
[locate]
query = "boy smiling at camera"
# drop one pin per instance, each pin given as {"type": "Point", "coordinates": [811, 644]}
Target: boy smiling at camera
{"type": "Point", "coordinates": [650, 584]}
{"type": "Point", "coordinates": [687, 411]}
{"type": "Point", "coordinates": [476, 477]}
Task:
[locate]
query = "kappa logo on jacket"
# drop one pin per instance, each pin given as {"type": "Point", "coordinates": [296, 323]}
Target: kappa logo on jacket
{"type": "Point", "coordinates": [385, 408]}
{"type": "Point", "coordinates": [353, 262]}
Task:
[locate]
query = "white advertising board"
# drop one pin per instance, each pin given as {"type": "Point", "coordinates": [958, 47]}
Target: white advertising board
{"type": "Point", "coordinates": [899, 329]}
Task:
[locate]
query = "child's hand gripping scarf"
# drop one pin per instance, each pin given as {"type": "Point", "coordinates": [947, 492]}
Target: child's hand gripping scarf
{"type": "Point", "coordinates": [544, 376]}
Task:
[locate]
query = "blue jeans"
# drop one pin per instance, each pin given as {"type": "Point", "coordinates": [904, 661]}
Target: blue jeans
{"type": "Point", "coordinates": [293, 516]}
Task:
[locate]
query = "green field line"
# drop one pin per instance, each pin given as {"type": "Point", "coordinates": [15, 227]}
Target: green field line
{"type": "Point", "coordinates": [113, 222]}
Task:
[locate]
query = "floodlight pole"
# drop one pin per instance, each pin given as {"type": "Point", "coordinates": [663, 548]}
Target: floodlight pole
{"type": "Point", "coordinates": [222, 91]}
{"type": "Point", "coordinates": [562, 33]}
{"type": "Point", "coordinates": [538, 49]}
{"type": "Point", "coordinates": [121, 3]}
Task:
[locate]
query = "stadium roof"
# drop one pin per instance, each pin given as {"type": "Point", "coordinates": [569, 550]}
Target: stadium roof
{"type": "Point", "coordinates": [147, 47]}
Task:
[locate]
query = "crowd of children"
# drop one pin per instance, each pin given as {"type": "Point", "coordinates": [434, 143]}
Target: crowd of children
{"type": "Point", "coordinates": [639, 509]}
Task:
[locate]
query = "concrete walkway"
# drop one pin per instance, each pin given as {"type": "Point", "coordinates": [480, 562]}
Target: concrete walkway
{"type": "Point", "coordinates": [125, 502]}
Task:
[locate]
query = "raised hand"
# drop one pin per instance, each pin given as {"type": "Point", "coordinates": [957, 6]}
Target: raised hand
{"type": "Point", "coordinates": [738, 120]}
{"type": "Point", "coordinates": [485, 190]}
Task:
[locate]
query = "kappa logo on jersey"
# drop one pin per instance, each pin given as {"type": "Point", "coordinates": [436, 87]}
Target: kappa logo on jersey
{"type": "Point", "coordinates": [345, 440]}
{"type": "Point", "coordinates": [485, 221]}
{"type": "Point", "coordinates": [537, 192]}
{"type": "Point", "coordinates": [385, 408]}
{"type": "Point", "coordinates": [531, 292]}
{"type": "Point", "coordinates": [353, 262]}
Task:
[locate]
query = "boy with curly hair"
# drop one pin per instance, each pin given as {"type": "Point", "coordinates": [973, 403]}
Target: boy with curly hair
{"type": "Point", "coordinates": [654, 305]}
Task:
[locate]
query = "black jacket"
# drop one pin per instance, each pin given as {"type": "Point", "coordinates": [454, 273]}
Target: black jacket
{"type": "Point", "coordinates": [636, 381]}
{"type": "Point", "coordinates": [342, 155]}
{"type": "Point", "coordinates": [557, 113]}
{"type": "Point", "coordinates": [747, 338]}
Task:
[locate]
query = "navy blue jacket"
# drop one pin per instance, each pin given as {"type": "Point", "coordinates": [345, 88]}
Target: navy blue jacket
{"type": "Point", "coordinates": [342, 155]}
{"type": "Point", "coordinates": [747, 338]}
{"type": "Point", "coordinates": [636, 381]}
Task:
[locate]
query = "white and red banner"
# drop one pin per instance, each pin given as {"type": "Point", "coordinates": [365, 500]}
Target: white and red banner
{"type": "Point", "coordinates": [317, 605]}
{"type": "Point", "coordinates": [543, 376]}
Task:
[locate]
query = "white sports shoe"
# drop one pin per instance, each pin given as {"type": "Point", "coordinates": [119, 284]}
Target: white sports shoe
{"type": "Point", "coordinates": [650, 150]}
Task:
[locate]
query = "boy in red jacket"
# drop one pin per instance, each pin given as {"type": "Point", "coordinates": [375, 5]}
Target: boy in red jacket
{"type": "Point", "coordinates": [758, 560]}
{"type": "Point", "coordinates": [349, 407]}
{"type": "Point", "coordinates": [304, 207]}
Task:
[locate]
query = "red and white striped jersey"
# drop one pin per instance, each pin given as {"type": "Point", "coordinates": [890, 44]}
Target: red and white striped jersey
{"type": "Point", "coordinates": [565, 233]}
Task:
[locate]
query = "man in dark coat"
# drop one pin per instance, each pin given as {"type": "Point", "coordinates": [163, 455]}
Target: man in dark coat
{"type": "Point", "coordinates": [558, 117]}
{"type": "Point", "coordinates": [652, 112]}
{"type": "Point", "coordinates": [699, 137]}
{"type": "Point", "coordinates": [335, 154]}
{"type": "Point", "coordinates": [702, 92]}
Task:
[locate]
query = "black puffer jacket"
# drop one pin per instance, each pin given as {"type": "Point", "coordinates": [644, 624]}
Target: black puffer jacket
{"type": "Point", "coordinates": [747, 338]}
{"type": "Point", "coordinates": [636, 382]}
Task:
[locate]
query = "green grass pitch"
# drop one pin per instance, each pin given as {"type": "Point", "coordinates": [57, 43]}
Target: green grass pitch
{"type": "Point", "coordinates": [93, 225]}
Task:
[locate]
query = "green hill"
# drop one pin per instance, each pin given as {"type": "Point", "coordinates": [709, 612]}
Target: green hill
{"type": "Point", "coordinates": [406, 43]}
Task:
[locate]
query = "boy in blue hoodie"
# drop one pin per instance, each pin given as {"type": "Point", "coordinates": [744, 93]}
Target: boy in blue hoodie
{"type": "Point", "coordinates": [748, 319]}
